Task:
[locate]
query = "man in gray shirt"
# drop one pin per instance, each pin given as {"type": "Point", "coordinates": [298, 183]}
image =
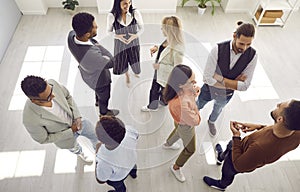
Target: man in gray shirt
{"type": "Point", "coordinates": [94, 60]}
{"type": "Point", "coordinates": [230, 66]}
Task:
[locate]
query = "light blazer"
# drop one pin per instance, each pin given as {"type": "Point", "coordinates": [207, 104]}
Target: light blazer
{"type": "Point", "coordinates": [169, 58]}
{"type": "Point", "coordinates": [44, 127]}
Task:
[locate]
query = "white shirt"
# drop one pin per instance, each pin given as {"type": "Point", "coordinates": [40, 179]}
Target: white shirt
{"type": "Point", "coordinates": [211, 66]}
{"type": "Point", "coordinates": [58, 111]}
{"type": "Point", "coordinates": [129, 17]}
{"type": "Point", "coordinates": [115, 165]}
{"type": "Point", "coordinates": [87, 43]}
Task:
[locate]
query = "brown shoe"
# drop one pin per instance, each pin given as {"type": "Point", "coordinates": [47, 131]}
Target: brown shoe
{"type": "Point", "coordinates": [212, 128]}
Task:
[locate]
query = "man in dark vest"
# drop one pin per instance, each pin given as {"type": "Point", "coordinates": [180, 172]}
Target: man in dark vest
{"type": "Point", "coordinates": [94, 60]}
{"type": "Point", "coordinates": [230, 66]}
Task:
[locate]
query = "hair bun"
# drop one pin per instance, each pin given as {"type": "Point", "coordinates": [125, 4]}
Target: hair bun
{"type": "Point", "coordinates": [239, 23]}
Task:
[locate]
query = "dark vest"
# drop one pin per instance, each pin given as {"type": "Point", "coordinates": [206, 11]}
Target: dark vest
{"type": "Point", "coordinates": [223, 65]}
{"type": "Point", "coordinates": [224, 61]}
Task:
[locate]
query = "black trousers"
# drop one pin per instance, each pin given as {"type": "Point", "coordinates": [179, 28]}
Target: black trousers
{"type": "Point", "coordinates": [228, 170]}
{"type": "Point", "coordinates": [119, 186]}
{"type": "Point", "coordinates": [103, 94]}
{"type": "Point", "coordinates": [156, 94]}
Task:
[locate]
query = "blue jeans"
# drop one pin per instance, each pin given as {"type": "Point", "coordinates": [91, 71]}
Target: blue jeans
{"type": "Point", "coordinates": [220, 100]}
{"type": "Point", "coordinates": [88, 131]}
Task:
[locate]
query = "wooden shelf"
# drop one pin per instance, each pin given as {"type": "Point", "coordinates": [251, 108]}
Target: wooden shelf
{"type": "Point", "coordinates": [276, 6]}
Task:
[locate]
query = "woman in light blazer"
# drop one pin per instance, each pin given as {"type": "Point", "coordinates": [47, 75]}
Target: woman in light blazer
{"type": "Point", "coordinates": [169, 54]}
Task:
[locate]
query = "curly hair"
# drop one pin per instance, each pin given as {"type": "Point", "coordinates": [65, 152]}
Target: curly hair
{"type": "Point", "coordinates": [32, 86]}
{"type": "Point", "coordinates": [82, 23]}
{"type": "Point", "coordinates": [110, 130]}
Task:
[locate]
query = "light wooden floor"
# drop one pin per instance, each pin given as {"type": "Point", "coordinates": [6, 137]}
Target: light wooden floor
{"type": "Point", "coordinates": [29, 167]}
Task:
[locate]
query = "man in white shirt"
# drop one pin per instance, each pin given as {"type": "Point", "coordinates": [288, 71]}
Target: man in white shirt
{"type": "Point", "coordinates": [50, 115]}
{"type": "Point", "coordinates": [230, 66]}
{"type": "Point", "coordinates": [116, 157]}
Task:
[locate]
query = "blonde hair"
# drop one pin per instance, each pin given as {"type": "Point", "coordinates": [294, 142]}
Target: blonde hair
{"type": "Point", "coordinates": [173, 29]}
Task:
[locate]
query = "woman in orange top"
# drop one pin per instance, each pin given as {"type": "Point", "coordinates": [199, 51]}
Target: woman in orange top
{"type": "Point", "coordinates": [180, 93]}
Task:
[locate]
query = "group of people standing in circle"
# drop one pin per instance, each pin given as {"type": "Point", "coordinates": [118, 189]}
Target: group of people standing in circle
{"type": "Point", "coordinates": [230, 66]}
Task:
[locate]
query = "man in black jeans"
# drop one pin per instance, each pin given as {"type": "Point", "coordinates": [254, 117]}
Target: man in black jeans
{"type": "Point", "coordinates": [94, 60]}
{"type": "Point", "coordinates": [116, 157]}
{"type": "Point", "coordinates": [257, 149]}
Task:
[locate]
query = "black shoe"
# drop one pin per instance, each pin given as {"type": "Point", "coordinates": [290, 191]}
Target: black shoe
{"type": "Point", "coordinates": [133, 175]}
{"type": "Point", "coordinates": [112, 112]}
{"type": "Point", "coordinates": [219, 150]}
{"type": "Point", "coordinates": [111, 191]}
{"type": "Point", "coordinates": [213, 183]}
{"type": "Point", "coordinates": [212, 128]}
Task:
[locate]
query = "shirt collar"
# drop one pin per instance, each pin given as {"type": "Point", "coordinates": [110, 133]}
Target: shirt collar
{"type": "Point", "coordinates": [82, 42]}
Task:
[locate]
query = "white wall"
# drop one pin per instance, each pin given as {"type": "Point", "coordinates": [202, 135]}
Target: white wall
{"type": "Point", "coordinates": [145, 6]}
{"type": "Point", "coordinates": [10, 16]}
{"type": "Point", "coordinates": [239, 6]}
{"type": "Point", "coordinates": [82, 3]}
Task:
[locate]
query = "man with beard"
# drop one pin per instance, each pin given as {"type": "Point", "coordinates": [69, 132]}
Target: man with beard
{"type": "Point", "coordinates": [94, 60]}
{"type": "Point", "coordinates": [262, 147]}
{"type": "Point", "coordinates": [230, 66]}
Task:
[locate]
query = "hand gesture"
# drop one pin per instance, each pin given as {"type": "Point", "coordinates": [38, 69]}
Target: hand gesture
{"type": "Point", "coordinates": [153, 50]}
{"type": "Point", "coordinates": [196, 90]}
{"type": "Point", "coordinates": [235, 128]}
{"type": "Point", "coordinates": [121, 38]}
{"type": "Point", "coordinates": [78, 123]}
{"type": "Point", "coordinates": [131, 38]}
{"type": "Point", "coordinates": [247, 127]}
{"type": "Point", "coordinates": [156, 66]}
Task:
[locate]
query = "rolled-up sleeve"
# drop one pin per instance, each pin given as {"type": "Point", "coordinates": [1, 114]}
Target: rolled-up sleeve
{"type": "Point", "coordinates": [210, 67]}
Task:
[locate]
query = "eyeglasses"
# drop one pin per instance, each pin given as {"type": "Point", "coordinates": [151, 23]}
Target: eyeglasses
{"type": "Point", "coordinates": [49, 96]}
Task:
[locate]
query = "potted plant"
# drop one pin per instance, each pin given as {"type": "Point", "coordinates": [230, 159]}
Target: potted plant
{"type": "Point", "coordinates": [202, 4]}
{"type": "Point", "coordinates": [70, 4]}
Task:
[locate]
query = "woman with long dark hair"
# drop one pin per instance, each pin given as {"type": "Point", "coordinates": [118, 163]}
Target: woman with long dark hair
{"type": "Point", "coordinates": [180, 94]}
{"type": "Point", "coordinates": [127, 25]}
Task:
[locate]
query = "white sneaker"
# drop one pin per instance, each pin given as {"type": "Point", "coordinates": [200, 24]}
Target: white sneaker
{"type": "Point", "coordinates": [178, 174]}
{"type": "Point", "coordinates": [84, 158]}
{"type": "Point", "coordinates": [175, 146]}
{"type": "Point", "coordinates": [146, 109]}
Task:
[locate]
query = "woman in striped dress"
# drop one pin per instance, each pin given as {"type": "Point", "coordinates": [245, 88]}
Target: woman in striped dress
{"type": "Point", "coordinates": [127, 24]}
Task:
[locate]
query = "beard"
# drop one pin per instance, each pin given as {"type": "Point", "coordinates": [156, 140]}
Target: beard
{"type": "Point", "coordinates": [238, 50]}
{"type": "Point", "coordinates": [273, 116]}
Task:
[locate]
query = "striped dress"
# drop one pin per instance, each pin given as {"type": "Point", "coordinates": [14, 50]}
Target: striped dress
{"type": "Point", "coordinates": [126, 54]}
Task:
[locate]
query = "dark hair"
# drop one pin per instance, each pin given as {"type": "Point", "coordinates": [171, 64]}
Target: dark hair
{"type": "Point", "coordinates": [32, 86]}
{"type": "Point", "coordinates": [82, 23]}
{"type": "Point", "coordinates": [178, 76]}
{"type": "Point", "coordinates": [110, 130]}
{"type": "Point", "coordinates": [116, 10]}
{"type": "Point", "coordinates": [292, 115]}
{"type": "Point", "coordinates": [245, 29]}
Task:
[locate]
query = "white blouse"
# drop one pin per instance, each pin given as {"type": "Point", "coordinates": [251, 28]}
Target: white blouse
{"type": "Point", "coordinates": [129, 17]}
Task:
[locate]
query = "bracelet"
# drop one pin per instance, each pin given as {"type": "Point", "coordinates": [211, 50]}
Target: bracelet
{"type": "Point", "coordinates": [236, 137]}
